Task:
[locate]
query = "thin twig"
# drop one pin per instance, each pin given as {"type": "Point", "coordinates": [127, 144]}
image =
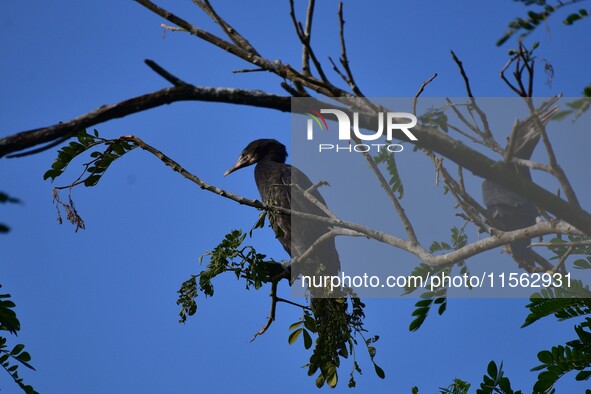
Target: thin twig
{"type": "Point", "coordinates": [507, 82]}
{"type": "Point", "coordinates": [421, 89]}
{"type": "Point", "coordinates": [41, 149]}
{"type": "Point", "coordinates": [323, 238]}
{"type": "Point", "coordinates": [306, 43]}
{"type": "Point", "coordinates": [230, 31]}
{"type": "Point", "coordinates": [406, 223]}
{"type": "Point", "coordinates": [469, 205]}
{"type": "Point", "coordinates": [248, 70]}
{"type": "Point", "coordinates": [271, 317]}
{"type": "Point", "coordinates": [483, 118]}
{"type": "Point", "coordinates": [534, 165]}
{"type": "Point", "coordinates": [344, 58]}
{"type": "Point", "coordinates": [308, 35]}
{"type": "Point", "coordinates": [176, 81]}
{"type": "Point", "coordinates": [171, 28]}
{"type": "Point", "coordinates": [558, 244]}
{"type": "Point", "coordinates": [279, 299]}
{"type": "Point", "coordinates": [560, 265]}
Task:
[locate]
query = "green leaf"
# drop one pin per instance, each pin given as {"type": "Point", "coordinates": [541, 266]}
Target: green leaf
{"type": "Point", "coordinates": [17, 349]}
{"type": "Point", "coordinates": [571, 19]}
{"type": "Point", "coordinates": [416, 324]}
{"type": "Point", "coordinates": [53, 173]}
{"type": "Point", "coordinates": [307, 340]}
{"type": "Point", "coordinates": [492, 370]}
{"type": "Point", "coordinates": [379, 371]}
{"type": "Point", "coordinates": [294, 336]}
{"type": "Point", "coordinates": [5, 198]}
{"type": "Point", "coordinates": [92, 180]}
{"type": "Point", "coordinates": [332, 380]}
{"type": "Point", "coordinates": [320, 381]}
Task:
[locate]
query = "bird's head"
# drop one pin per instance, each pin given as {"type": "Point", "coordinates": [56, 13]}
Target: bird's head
{"type": "Point", "coordinates": [263, 149]}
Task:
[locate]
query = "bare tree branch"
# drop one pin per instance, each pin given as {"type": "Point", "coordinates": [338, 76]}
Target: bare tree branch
{"type": "Point", "coordinates": [441, 143]}
{"type": "Point", "coordinates": [271, 317]}
{"type": "Point", "coordinates": [308, 35]}
{"type": "Point", "coordinates": [486, 132]}
{"type": "Point", "coordinates": [463, 253]}
{"type": "Point", "coordinates": [176, 81]}
{"type": "Point", "coordinates": [438, 142]}
{"type": "Point", "coordinates": [305, 40]}
{"type": "Point", "coordinates": [30, 138]}
{"type": "Point", "coordinates": [344, 58]}
{"type": "Point", "coordinates": [230, 31]}
{"type": "Point", "coordinates": [421, 89]}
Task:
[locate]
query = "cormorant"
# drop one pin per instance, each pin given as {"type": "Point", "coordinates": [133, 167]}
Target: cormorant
{"type": "Point", "coordinates": [283, 185]}
{"type": "Point", "coordinates": [508, 210]}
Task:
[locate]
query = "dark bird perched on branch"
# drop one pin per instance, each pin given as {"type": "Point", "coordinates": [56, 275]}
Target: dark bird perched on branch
{"type": "Point", "coordinates": [509, 211]}
{"type": "Point", "coordinates": [283, 185]}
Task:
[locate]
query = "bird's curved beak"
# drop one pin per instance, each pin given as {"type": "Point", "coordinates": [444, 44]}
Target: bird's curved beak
{"type": "Point", "coordinates": [243, 161]}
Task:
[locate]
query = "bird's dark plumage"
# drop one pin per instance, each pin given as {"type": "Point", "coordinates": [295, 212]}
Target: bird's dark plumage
{"type": "Point", "coordinates": [282, 185]}
{"type": "Point", "coordinates": [509, 211]}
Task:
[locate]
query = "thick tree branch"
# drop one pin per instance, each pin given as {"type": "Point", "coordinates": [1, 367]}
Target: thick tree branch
{"type": "Point", "coordinates": [30, 138]}
{"type": "Point", "coordinates": [463, 253]}
{"type": "Point", "coordinates": [431, 139]}
{"type": "Point", "coordinates": [428, 138]}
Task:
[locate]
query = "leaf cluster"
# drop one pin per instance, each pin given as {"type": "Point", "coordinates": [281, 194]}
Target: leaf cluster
{"type": "Point", "coordinates": [101, 159]}
{"type": "Point", "coordinates": [526, 25]}
{"type": "Point", "coordinates": [437, 296]}
{"type": "Point", "coordinates": [92, 170]}
{"type": "Point", "coordinates": [229, 256]}
{"type": "Point", "coordinates": [9, 322]}
{"type": "Point", "coordinates": [564, 303]}
{"type": "Point", "coordinates": [337, 329]}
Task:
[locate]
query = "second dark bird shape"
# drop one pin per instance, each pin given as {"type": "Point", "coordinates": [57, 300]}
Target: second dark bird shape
{"type": "Point", "coordinates": [508, 210]}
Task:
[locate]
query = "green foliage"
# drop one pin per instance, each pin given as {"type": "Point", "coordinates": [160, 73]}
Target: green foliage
{"type": "Point", "coordinates": [575, 245]}
{"type": "Point", "coordinates": [9, 322]}
{"type": "Point", "coordinates": [337, 329]}
{"type": "Point", "coordinates": [228, 256]}
{"type": "Point", "coordinates": [495, 381]}
{"type": "Point", "coordinates": [92, 172]}
{"type": "Point", "coordinates": [575, 356]}
{"type": "Point", "coordinates": [457, 387]}
{"type": "Point", "coordinates": [328, 327]}
{"type": "Point", "coordinates": [534, 19]}
{"type": "Point", "coordinates": [564, 303]}
{"type": "Point", "coordinates": [435, 117]}
{"type": "Point", "coordinates": [576, 107]}
{"type": "Point", "coordinates": [101, 160]}
{"type": "Point", "coordinates": [389, 159]}
{"type": "Point", "coordinates": [575, 16]}
{"type": "Point", "coordinates": [438, 295]}
{"type": "Point", "coordinates": [560, 302]}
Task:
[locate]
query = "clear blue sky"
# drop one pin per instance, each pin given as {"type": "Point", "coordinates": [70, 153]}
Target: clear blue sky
{"type": "Point", "coordinates": [97, 307]}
